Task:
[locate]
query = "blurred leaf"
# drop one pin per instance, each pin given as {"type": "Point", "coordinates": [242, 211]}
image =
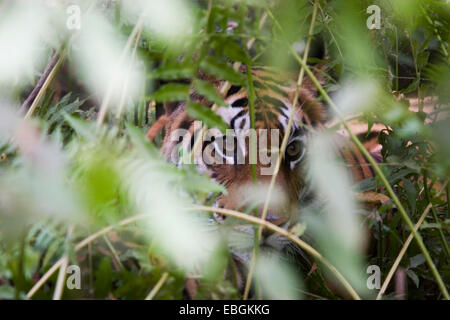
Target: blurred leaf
{"type": "Point", "coordinates": [413, 276]}
{"type": "Point", "coordinates": [207, 90]}
{"type": "Point", "coordinates": [205, 114]}
{"type": "Point", "coordinates": [7, 292]}
{"type": "Point", "coordinates": [236, 53]}
{"type": "Point", "coordinates": [81, 127]}
{"type": "Point", "coordinates": [277, 279]}
{"type": "Point", "coordinates": [103, 279]}
{"type": "Point", "coordinates": [222, 70]}
{"type": "Point", "coordinates": [416, 261]}
{"type": "Point", "coordinates": [176, 72]}
{"type": "Point", "coordinates": [172, 92]}
{"type": "Point", "coordinates": [140, 141]}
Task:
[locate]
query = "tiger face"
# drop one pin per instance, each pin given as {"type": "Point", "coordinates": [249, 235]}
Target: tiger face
{"type": "Point", "coordinates": [244, 157]}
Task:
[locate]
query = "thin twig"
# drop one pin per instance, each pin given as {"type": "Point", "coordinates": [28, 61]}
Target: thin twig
{"type": "Point", "coordinates": [44, 278]}
{"type": "Point", "coordinates": [106, 230]}
{"type": "Point", "coordinates": [46, 78]}
{"type": "Point", "coordinates": [80, 246]}
{"type": "Point", "coordinates": [113, 251]}
{"type": "Point", "coordinates": [404, 248]}
{"type": "Point", "coordinates": [60, 283]}
{"type": "Point", "coordinates": [127, 78]}
{"type": "Point", "coordinates": [42, 80]}
{"type": "Point", "coordinates": [232, 213]}
{"type": "Point", "coordinates": [313, 252]}
{"type": "Point", "coordinates": [157, 286]}
{"type": "Point", "coordinates": [108, 95]}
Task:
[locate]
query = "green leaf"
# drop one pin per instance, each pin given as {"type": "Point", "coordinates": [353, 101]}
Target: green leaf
{"type": "Point", "coordinates": [172, 92]}
{"type": "Point", "coordinates": [298, 229]}
{"type": "Point", "coordinates": [140, 141]}
{"type": "Point", "coordinates": [172, 72]}
{"type": "Point", "coordinates": [411, 193]}
{"type": "Point", "coordinates": [195, 182]}
{"type": "Point", "coordinates": [207, 90]}
{"type": "Point", "coordinates": [205, 114]}
{"type": "Point", "coordinates": [416, 261]}
{"type": "Point", "coordinates": [222, 70]}
{"type": "Point", "coordinates": [413, 276]}
{"type": "Point", "coordinates": [7, 292]}
{"type": "Point", "coordinates": [83, 128]}
{"type": "Point", "coordinates": [216, 266]}
{"type": "Point", "coordinates": [103, 278]}
{"type": "Point", "coordinates": [55, 115]}
{"type": "Point", "coordinates": [235, 52]}
{"type": "Point", "coordinates": [413, 86]}
{"type": "Point", "coordinates": [422, 59]}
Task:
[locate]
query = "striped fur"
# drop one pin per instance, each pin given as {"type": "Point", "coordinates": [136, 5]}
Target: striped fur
{"type": "Point", "coordinates": [273, 105]}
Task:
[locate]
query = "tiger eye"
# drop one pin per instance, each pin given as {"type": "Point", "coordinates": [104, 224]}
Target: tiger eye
{"type": "Point", "coordinates": [293, 149]}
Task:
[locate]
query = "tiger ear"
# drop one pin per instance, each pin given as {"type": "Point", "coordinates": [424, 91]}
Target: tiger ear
{"type": "Point", "coordinates": [311, 110]}
{"type": "Point", "coordinates": [319, 73]}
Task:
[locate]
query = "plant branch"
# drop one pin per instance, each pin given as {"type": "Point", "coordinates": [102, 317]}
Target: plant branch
{"type": "Point", "coordinates": [44, 278]}
{"type": "Point", "coordinates": [43, 80]}
{"type": "Point", "coordinates": [157, 286]}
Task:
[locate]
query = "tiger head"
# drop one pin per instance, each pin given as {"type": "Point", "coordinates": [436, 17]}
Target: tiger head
{"type": "Point", "coordinates": [228, 156]}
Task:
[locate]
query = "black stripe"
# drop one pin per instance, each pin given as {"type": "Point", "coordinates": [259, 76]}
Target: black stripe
{"type": "Point", "coordinates": [243, 102]}
{"type": "Point", "coordinates": [357, 161]}
{"type": "Point", "coordinates": [191, 146]}
{"type": "Point", "coordinates": [233, 89]}
{"type": "Point", "coordinates": [370, 166]}
{"type": "Point", "coordinates": [281, 128]}
{"type": "Point", "coordinates": [240, 114]}
{"type": "Point", "coordinates": [284, 115]}
{"type": "Point", "coordinates": [185, 124]}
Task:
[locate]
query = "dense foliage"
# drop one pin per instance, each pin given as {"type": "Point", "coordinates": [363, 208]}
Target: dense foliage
{"type": "Point", "coordinates": [78, 162]}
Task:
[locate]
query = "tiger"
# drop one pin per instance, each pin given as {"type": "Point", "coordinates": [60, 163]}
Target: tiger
{"type": "Point", "coordinates": [273, 104]}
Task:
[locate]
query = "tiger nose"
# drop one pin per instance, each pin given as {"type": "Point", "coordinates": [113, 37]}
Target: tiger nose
{"type": "Point", "coordinates": [276, 220]}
